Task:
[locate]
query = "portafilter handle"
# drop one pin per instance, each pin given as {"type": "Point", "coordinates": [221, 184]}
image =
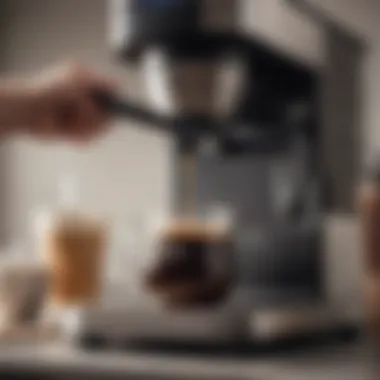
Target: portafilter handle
{"type": "Point", "coordinates": [187, 129]}
{"type": "Point", "coordinates": [123, 108]}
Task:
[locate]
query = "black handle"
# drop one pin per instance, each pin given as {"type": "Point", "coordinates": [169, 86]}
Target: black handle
{"type": "Point", "coordinates": [125, 109]}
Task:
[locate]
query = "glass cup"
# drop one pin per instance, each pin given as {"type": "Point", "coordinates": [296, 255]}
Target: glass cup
{"type": "Point", "coordinates": [73, 246]}
{"type": "Point", "coordinates": [23, 283]}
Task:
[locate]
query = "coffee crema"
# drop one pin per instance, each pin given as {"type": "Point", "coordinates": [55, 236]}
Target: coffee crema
{"type": "Point", "coordinates": [195, 265]}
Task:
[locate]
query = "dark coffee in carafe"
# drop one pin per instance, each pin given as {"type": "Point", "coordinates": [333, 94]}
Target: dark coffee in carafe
{"type": "Point", "coordinates": [195, 265]}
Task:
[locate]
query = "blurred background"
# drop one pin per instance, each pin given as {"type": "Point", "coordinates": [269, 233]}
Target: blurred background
{"type": "Point", "coordinates": [298, 233]}
{"type": "Point", "coordinates": [116, 174]}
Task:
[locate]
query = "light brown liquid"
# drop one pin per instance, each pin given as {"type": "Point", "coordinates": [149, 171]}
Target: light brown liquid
{"type": "Point", "coordinates": [195, 266]}
{"type": "Point", "coordinates": [74, 249]}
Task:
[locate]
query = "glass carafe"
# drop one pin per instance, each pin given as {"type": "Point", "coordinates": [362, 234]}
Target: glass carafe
{"type": "Point", "coordinates": [194, 263]}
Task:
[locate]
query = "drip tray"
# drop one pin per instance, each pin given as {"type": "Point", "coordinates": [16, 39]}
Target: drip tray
{"type": "Point", "coordinates": [241, 347]}
{"type": "Point", "coordinates": [233, 327]}
{"type": "Point", "coordinates": [237, 347]}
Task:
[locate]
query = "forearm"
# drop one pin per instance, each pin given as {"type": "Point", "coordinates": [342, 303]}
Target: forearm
{"type": "Point", "coordinates": [15, 106]}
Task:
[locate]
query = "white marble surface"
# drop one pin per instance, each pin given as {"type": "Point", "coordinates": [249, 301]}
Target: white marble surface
{"type": "Point", "coordinates": [333, 364]}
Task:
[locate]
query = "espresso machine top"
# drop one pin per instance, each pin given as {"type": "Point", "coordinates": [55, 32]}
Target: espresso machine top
{"type": "Point", "coordinates": [203, 71]}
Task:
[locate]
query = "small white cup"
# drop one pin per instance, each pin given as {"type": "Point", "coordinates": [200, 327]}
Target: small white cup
{"type": "Point", "coordinates": [22, 292]}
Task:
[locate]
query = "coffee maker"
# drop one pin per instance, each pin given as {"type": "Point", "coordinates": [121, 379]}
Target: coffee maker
{"type": "Point", "coordinates": [239, 111]}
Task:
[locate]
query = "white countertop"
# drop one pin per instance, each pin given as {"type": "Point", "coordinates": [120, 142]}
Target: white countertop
{"type": "Point", "coordinates": [347, 363]}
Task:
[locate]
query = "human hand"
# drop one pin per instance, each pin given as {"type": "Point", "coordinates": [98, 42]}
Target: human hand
{"type": "Point", "coordinates": [60, 106]}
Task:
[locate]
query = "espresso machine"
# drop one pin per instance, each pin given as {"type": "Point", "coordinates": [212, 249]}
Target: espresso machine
{"type": "Point", "coordinates": [224, 99]}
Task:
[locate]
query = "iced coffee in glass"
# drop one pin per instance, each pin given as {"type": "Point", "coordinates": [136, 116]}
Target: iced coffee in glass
{"type": "Point", "coordinates": [74, 246]}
